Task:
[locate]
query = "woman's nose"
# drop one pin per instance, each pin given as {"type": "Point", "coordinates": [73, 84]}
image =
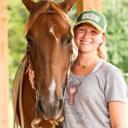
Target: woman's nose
{"type": "Point", "coordinates": [86, 34]}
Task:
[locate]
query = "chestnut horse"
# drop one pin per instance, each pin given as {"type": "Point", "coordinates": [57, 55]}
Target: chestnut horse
{"type": "Point", "coordinates": [48, 55]}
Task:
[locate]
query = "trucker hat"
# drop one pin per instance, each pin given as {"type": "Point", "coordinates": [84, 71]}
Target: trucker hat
{"type": "Point", "coordinates": [94, 18]}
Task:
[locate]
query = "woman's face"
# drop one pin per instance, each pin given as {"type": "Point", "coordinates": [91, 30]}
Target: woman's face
{"type": "Point", "coordinates": [88, 38]}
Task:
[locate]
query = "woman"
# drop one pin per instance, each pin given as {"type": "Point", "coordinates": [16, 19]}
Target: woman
{"type": "Point", "coordinates": [96, 90]}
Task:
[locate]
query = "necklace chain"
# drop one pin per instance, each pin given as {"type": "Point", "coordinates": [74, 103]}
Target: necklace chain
{"type": "Point", "coordinates": [77, 63]}
{"type": "Point", "coordinates": [82, 66]}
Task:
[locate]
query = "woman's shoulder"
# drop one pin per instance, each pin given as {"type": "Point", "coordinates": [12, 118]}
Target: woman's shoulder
{"type": "Point", "coordinates": [110, 68]}
{"type": "Point", "coordinates": [110, 72]}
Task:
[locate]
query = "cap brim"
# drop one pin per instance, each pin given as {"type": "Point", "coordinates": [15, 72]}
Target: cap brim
{"type": "Point", "coordinates": [89, 22]}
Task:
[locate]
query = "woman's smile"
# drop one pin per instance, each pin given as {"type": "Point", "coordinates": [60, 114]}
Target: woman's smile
{"type": "Point", "coordinates": [86, 42]}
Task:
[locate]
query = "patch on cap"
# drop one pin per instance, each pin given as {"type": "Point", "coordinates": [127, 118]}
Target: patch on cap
{"type": "Point", "coordinates": [94, 18]}
{"type": "Point", "coordinates": [91, 16]}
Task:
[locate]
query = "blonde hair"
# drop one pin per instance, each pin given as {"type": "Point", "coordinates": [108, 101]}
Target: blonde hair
{"type": "Point", "coordinates": [102, 52]}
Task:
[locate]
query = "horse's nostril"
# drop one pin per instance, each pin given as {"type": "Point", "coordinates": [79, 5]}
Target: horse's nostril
{"type": "Point", "coordinates": [50, 111]}
{"type": "Point", "coordinates": [60, 104]}
{"type": "Point", "coordinates": [40, 108]}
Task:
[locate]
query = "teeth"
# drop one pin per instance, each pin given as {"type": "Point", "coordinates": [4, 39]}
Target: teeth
{"type": "Point", "coordinates": [85, 42]}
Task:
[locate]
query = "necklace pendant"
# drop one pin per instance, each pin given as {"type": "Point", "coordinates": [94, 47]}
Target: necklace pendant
{"type": "Point", "coordinates": [84, 67]}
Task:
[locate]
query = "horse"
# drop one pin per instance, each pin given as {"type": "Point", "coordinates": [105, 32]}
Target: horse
{"type": "Point", "coordinates": [48, 53]}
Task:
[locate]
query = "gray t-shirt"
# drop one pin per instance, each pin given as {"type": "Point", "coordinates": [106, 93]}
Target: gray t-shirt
{"type": "Point", "coordinates": [104, 84]}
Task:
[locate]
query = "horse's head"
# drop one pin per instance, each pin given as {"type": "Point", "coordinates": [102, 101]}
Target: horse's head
{"type": "Point", "coordinates": [49, 44]}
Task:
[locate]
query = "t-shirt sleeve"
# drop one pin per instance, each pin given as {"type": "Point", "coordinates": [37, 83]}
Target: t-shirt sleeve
{"type": "Point", "coordinates": [115, 89]}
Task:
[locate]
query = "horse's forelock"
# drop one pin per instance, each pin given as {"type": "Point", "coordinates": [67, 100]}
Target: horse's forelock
{"type": "Point", "coordinates": [43, 9]}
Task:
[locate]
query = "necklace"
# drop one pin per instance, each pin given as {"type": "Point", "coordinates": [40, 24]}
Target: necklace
{"type": "Point", "coordinates": [84, 67]}
{"type": "Point", "coordinates": [78, 64]}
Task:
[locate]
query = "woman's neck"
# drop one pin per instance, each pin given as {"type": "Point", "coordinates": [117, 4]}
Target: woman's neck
{"type": "Point", "coordinates": [87, 60]}
{"type": "Point", "coordinates": [84, 64]}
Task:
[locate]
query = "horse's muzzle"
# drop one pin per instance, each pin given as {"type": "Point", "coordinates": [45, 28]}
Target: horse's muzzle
{"type": "Point", "coordinates": [49, 111]}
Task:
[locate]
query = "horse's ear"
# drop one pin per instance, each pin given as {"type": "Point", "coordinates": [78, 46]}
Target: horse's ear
{"type": "Point", "coordinates": [29, 4]}
{"type": "Point", "coordinates": [67, 4]}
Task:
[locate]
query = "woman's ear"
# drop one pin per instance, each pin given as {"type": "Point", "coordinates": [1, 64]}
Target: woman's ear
{"type": "Point", "coordinates": [103, 38]}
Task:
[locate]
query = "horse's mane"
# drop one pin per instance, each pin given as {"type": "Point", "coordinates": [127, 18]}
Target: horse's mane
{"type": "Point", "coordinates": [43, 9]}
{"type": "Point", "coordinates": [17, 93]}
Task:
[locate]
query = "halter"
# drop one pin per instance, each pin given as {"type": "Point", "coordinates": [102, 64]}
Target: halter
{"type": "Point", "coordinates": [37, 120]}
{"type": "Point", "coordinates": [48, 9]}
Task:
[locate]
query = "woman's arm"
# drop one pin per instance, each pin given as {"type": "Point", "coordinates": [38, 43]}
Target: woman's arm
{"type": "Point", "coordinates": [118, 114]}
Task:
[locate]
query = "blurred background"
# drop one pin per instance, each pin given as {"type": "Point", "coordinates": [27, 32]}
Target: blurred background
{"type": "Point", "coordinates": [117, 36]}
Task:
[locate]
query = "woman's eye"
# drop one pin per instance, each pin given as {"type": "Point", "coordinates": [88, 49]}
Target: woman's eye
{"type": "Point", "coordinates": [94, 32]}
{"type": "Point", "coordinates": [81, 30]}
{"type": "Point", "coordinates": [68, 39]}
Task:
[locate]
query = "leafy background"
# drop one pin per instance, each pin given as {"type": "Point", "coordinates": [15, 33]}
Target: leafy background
{"type": "Point", "coordinates": [117, 36]}
{"type": "Point", "coordinates": [117, 33]}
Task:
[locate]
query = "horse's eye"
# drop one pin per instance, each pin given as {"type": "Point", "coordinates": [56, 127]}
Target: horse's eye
{"type": "Point", "coordinates": [29, 40]}
{"type": "Point", "coordinates": [68, 39]}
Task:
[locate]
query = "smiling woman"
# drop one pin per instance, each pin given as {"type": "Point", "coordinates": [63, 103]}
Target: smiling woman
{"type": "Point", "coordinates": [88, 38]}
{"type": "Point", "coordinates": [100, 98]}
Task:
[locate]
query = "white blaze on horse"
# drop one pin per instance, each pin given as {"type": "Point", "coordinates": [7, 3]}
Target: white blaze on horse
{"type": "Point", "coordinates": [48, 55]}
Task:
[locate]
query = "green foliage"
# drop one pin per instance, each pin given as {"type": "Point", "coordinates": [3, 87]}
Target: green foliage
{"type": "Point", "coordinates": [16, 21]}
{"type": "Point", "coordinates": [117, 34]}
{"type": "Point", "coordinates": [116, 12]}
